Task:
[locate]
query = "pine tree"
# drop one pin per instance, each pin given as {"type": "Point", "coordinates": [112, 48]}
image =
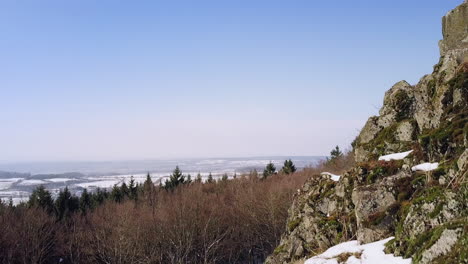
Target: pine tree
{"type": "Point", "coordinates": [235, 175]}
{"type": "Point", "coordinates": [116, 194]}
{"type": "Point", "coordinates": [40, 197]}
{"type": "Point", "coordinates": [85, 202]}
{"type": "Point", "coordinates": [199, 178]}
{"type": "Point", "coordinates": [175, 179]}
{"type": "Point", "coordinates": [124, 190]}
{"type": "Point", "coordinates": [148, 185]}
{"type": "Point", "coordinates": [66, 203]}
{"type": "Point", "coordinates": [225, 177]}
{"type": "Point", "coordinates": [335, 154]}
{"type": "Point", "coordinates": [270, 169]}
{"type": "Point", "coordinates": [189, 179]}
{"type": "Point", "coordinates": [210, 178]}
{"type": "Point", "coordinates": [133, 189]}
{"type": "Point", "coordinates": [288, 167]}
{"type": "Point", "coordinates": [99, 196]}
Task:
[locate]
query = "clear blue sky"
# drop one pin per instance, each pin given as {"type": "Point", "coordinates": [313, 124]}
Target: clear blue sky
{"type": "Point", "coordinates": [105, 80]}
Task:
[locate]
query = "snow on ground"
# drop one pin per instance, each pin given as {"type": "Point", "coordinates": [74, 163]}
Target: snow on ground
{"type": "Point", "coordinates": [32, 182]}
{"type": "Point", "coordinates": [372, 253]}
{"type": "Point", "coordinates": [6, 184]}
{"type": "Point", "coordinates": [60, 179]}
{"type": "Point", "coordinates": [100, 184]}
{"type": "Point", "coordinates": [333, 177]}
{"type": "Point", "coordinates": [425, 167]}
{"type": "Point", "coordinates": [395, 156]}
{"type": "Point", "coordinates": [15, 200]}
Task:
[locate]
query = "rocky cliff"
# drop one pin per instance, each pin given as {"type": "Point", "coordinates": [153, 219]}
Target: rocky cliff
{"type": "Point", "coordinates": [426, 211]}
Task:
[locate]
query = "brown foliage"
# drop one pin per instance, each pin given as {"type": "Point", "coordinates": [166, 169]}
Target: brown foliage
{"type": "Point", "coordinates": [235, 221]}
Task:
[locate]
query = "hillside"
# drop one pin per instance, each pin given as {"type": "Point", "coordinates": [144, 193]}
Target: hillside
{"type": "Point", "coordinates": [423, 207]}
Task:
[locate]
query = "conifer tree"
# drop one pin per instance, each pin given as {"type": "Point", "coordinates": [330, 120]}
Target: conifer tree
{"type": "Point", "coordinates": [210, 178]}
{"type": "Point", "coordinates": [10, 202]}
{"type": "Point", "coordinates": [41, 197]}
{"type": "Point", "coordinates": [125, 190]}
{"type": "Point", "coordinates": [148, 185]}
{"type": "Point", "coordinates": [85, 202]}
{"type": "Point", "coordinates": [66, 203]}
{"type": "Point", "coordinates": [225, 177]}
{"type": "Point", "coordinates": [116, 194]}
{"type": "Point", "coordinates": [99, 196]}
{"type": "Point", "coordinates": [335, 154]}
{"type": "Point", "coordinates": [288, 167]}
{"type": "Point", "coordinates": [189, 179]}
{"type": "Point", "coordinates": [133, 189]}
{"type": "Point", "coordinates": [269, 170]}
{"type": "Point", "coordinates": [199, 178]}
{"type": "Point", "coordinates": [175, 179]}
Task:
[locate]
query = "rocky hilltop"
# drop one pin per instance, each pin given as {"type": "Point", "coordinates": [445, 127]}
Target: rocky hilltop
{"type": "Point", "coordinates": [426, 211]}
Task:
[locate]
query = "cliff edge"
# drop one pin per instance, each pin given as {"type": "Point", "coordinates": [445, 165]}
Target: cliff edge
{"type": "Point", "coordinates": [419, 198]}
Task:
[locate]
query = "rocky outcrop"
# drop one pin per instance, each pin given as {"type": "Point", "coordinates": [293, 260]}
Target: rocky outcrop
{"type": "Point", "coordinates": [455, 29]}
{"type": "Point", "coordinates": [426, 212]}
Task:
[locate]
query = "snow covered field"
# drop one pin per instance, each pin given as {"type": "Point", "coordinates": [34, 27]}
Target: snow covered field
{"type": "Point", "coordinates": [92, 175]}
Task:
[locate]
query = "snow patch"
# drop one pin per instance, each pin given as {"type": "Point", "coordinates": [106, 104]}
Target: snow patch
{"type": "Point", "coordinates": [425, 167]}
{"type": "Point", "coordinates": [333, 177]}
{"type": "Point", "coordinates": [371, 253]}
{"type": "Point", "coordinates": [395, 156]}
{"type": "Point", "coordinates": [32, 182]}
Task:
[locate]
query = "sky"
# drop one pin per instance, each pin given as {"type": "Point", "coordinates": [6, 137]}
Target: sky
{"type": "Point", "coordinates": [125, 80]}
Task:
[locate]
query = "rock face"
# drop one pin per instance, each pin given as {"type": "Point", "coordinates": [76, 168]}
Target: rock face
{"type": "Point", "coordinates": [426, 212]}
{"type": "Point", "coordinates": [454, 29]}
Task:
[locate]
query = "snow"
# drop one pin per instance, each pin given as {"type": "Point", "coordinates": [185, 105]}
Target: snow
{"type": "Point", "coordinates": [6, 184]}
{"type": "Point", "coordinates": [425, 167]}
{"type": "Point", "coordinates": [56, 180]}
{"type": "Point", "coordinates": [15, 200]}
{"type": "Point", "coordinates": [333, 177]}
{"type": "Point", "coordinates": [100, 184]}
{"type": "Point", "coordinates": [32, 182]}
{"type": "Point", "coordinates": [371, 253]}
{"type": "Point", "coordinates": [395, 156]}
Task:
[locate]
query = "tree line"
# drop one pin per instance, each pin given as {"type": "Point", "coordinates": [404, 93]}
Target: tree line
{"type": "Point", "coordinates": [184, 220]}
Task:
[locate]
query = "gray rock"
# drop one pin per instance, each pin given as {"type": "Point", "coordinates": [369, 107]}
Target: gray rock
{"type": "Point", "coordinates": [405, 131]}
{"type": "Point", "coordinates": [444, 244]}
{"type": "Point", "coordinates": [454, 29]}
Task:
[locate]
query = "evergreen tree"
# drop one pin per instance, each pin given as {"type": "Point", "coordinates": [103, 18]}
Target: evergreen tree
{"type": "Point", "coordinates": [288, 167]}
{"type": "Point", "coordinates": [175, 179]}
{"type": "Point", "coordinates": [125, 190]}
{"type": "Point", "coordinates": [189, 179]}
{"type": "Point", "coordinates": [269, 170]}
{"type": "Point", "coordinates": [335, 154]}
{"type": "Point", "coordinates": [148, 184]}
{"type": "Point", "coordinates": [210, 178]}
{"type": "Point", "coordinates": [199, 178]}
{"type": "Point", "coordinates": [133, 189]}
{"type": "Point", "coordinates": [41, 197]}
{"type": "Point", "coordinates": [235, 175]}
{"type": "Point", "coordinates": [116, 194]}
{"type": "Point", "coordinates": [225, 177]}
{"type": "Point", "coordinates": [66, 203]}
{"type": "Point", "coordinates": [99, 196]}
{"type": "Point", "coordinates": [85, 202]}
